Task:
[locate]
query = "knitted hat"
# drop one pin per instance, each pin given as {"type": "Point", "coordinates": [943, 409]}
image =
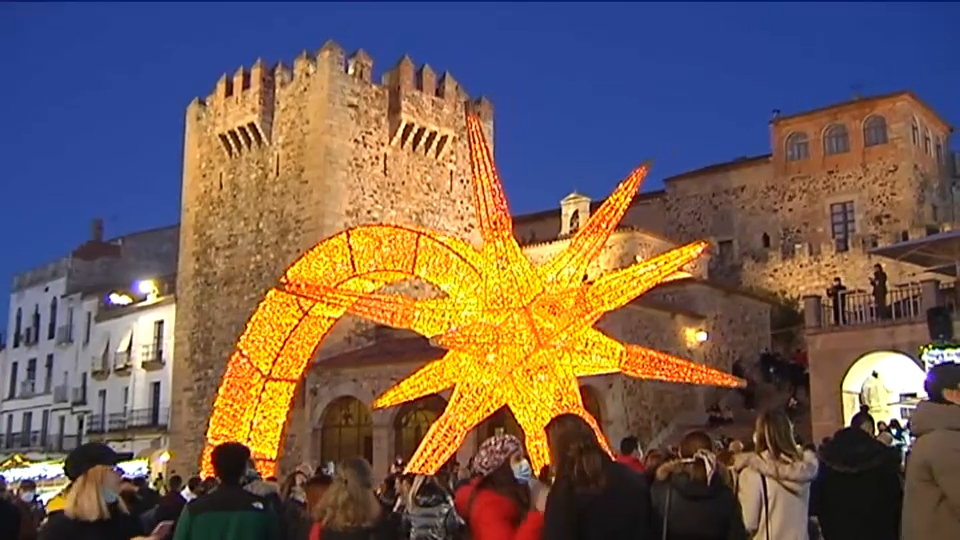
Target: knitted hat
{"type": "Point", "coordinates": [494, 452]}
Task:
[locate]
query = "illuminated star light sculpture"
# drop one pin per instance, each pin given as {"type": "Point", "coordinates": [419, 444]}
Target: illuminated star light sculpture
{"type": "Point", "coordinates": [517, 335]}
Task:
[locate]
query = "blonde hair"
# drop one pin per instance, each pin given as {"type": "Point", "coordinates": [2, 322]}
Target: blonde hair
{"type": "Point", "coordinates": [774, 434]}
{"type": "Point", "coordinates": [84, 498]}
{"type": "Point", "coordinates": [349, 502]}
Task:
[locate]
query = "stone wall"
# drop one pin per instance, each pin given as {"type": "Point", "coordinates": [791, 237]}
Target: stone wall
{"type": "Point", "coordinates": [277, 159]}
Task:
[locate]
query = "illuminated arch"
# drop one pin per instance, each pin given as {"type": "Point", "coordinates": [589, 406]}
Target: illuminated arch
{"type": "Point", "coordinates": [899, 372]}
{"type": "Point", "coordinates": [257, 389]}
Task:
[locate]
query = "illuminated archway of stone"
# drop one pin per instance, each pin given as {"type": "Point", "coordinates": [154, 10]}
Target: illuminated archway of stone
{"type": "Point", "coordinates": [899, 373]}
{"type": "Point", "coordinates": [279, 341]}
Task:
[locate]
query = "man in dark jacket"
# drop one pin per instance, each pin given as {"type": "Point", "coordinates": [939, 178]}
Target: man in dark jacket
{"type": "Point", "coordinates": [9, 514]}
{"type": "Point", "coordinates": [858, 490]}
{"type": "Point", "coordinates": [230, 511]}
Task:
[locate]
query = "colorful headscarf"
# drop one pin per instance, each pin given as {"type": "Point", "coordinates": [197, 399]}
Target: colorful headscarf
{"type": "Point", "coordinates": [494, 452]}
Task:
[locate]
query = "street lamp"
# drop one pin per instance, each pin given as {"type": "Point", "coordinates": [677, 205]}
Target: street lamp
{"type": "Point", "coordinates": [148, 288]}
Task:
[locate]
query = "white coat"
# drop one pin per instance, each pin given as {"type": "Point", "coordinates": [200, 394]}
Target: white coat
{"type": "Point", "coordinates": [788, 495]}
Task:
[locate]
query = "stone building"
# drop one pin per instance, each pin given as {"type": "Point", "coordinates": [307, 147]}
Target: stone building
{"type": "Point", "coordinates": [276, 159]}
{"type": "Point", "coordinates": [837, 182]}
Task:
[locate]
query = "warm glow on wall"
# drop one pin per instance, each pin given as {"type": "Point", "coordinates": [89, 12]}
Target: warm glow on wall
{"type": "Point", "coordinates": [517, 335]}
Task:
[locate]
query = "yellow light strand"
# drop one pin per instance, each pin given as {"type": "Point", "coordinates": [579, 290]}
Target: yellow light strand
{"type": "Point", "coordinates": [517, 335]}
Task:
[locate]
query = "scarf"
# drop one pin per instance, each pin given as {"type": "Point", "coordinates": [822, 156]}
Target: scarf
{"type": "Point", "coordinates": [708, 459]}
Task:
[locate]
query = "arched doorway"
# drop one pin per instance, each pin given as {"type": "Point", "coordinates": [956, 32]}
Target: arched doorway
{"type": "Point", "coordinates": [591, 402]}
{"type": "Point", "coordinates": [499, 422]}
{"type": "Point", "coordinates": [899, 383]}
{"type": "Point", "coordinates": [346, 431]}
{"type": "Point", "coordinates": [412, 422]}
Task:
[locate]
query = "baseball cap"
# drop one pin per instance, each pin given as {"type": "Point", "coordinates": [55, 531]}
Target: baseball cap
{"type": "Point", "coordinates": [87, 456]}
{"type": "Point", "coordinates": [942, 377]}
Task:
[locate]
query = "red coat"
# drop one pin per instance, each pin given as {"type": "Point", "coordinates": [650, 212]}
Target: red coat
{"type": "Point", "coordinates": [632, 462]}
{"type": "Point", "coordinates": [491, 516]}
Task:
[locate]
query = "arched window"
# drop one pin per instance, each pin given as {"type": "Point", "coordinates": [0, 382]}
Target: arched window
{"type": "Point", "coordinates": [798, 147]}
{"type": "Point", "coordinates": [574, 221]}
{"type": "Point", "coordinates": [875, 131]}
{"type": "Point", "coordinates": [52, 323]}
{"type": "Point", "coordinates": [926, 142]}
{"type": "Point", "coordinates": [591, 402]}
{"type": "Point", "coordinates": [347, 431]}
{"type": "Point", "coordinates": [412, 422]}
{"type": "Point", "coordinates": [836, 140]}
{"type": "Point", "coordinates": [915, 132]}
{"type": "Point", "coordinates": [17, 327]}
{"type": "Point", "coordinates": [499, 422]}
{"type": "Point", "coordinates": [765, 240]}
{"type": "Point", "coordinates": [35, 323]}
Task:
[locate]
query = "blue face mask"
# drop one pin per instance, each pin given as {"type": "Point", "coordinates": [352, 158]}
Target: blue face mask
{"type": "Point", "coordinates": [522, 471]}
{"type": "Point", "coordinates": [109, 496]}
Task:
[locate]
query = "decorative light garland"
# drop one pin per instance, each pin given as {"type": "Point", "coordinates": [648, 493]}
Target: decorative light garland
{"type": "Point", "coordinates": [518, 335]}
{"type": "Point", "coordinates": [939, 352]}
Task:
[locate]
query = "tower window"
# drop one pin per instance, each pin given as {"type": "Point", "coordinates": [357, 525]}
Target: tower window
{"type": "Point", "coordinates": [836, 140]}
{"type": "Point", "coordinates": [798, 147]}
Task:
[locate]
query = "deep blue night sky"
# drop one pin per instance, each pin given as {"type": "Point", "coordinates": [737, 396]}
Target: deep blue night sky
{"type": "Point", "coordinates": [94, 94]}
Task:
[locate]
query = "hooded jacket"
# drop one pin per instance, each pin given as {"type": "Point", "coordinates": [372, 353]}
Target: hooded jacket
{"type": "Point", "coordinates": [787, 495]}
{"type": "Point", "coordinates": [698, 511]}
{"type": "Point", "coordinates": [229, 512]}
{"type": "Point", "coordinates": [931, 505]}
{"type": "Point", "coordinates": [858, 491]}
{"type": "Point", "coordinates": [492, 516]}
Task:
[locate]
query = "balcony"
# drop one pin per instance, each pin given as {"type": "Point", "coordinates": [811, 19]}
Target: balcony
{"type": "Point", "coordinates": [34, 441]}
{"type": "Point", "coordinates": [903, 304]}
{"type": "Point", "coordinates": [28, 389]}
{"type": "Point", "coordinates": [61, 393]}
{"type": "Point", "coordinates": [154, 355]}
{"type": "Point", "coordinates": [65, 335]}
{"type": "Point", "coordinates": [99, 366]}
{"type": "Point", "coordinates": [122, 363]}
{"type": "Point", "coordinates": [137, 419]}
{"type": "Point", "coordinates": [79, 395]}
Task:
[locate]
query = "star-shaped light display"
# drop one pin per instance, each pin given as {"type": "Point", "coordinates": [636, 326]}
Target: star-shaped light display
{"type": "Point", "coordinates": [517, 334]}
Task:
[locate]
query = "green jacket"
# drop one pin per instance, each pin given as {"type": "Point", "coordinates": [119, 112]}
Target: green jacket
{"type": "Point", "coordinates": [228, 513]}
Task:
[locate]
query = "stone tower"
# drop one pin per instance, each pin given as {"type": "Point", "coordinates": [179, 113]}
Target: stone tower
{"type": "Point", "coordinates": [275, 160]}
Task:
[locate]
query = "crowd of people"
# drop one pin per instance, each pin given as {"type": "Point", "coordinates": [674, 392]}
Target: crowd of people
{"type": "Point", "coordinates": [769, 488]}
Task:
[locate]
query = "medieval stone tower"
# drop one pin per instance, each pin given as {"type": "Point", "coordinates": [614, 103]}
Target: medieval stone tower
{"type": "Point", "coordinates": [275, 160]}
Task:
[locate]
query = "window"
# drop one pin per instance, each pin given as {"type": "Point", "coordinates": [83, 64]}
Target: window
{"type": "Point", "coordinates": [725, 251]}
{"type": "Point", "coordinates": [798, 147]}
{"type": "Point", "coordinates": [87, 328]}
{"type": "Point", "coordinates": [875, 131]}
{"type": "Point", "coordinates": [12, 390]}
{"type": "Point", "coordinates": [765, 240]}
{"type": "Point", "coordinates": [31, 370]}
{"type": "Point", "coordinates": [36, 323]}
{"type": "Point", "coordinates": [17, 327]}
{"type": "Point", "coordinates": [939, 152]}
{"type": "Point", "coordinates": [574, 221]}
{"type": "Point", "coordinates": [836, 140]}
{"type": "Point", "coordinates": [26, 426]}
{"type": "Point", "coordinates": [44, 427]}
{"type": "Point", "coordinates": [915, 132]}
{"type": "Point", "coordinates": [842, 224]}
{"type": "Point", "coordinates": [926, 141]}
{"type": "Point", "coordinates": [52, 323]}
{"type": "Point", "coordinates": [48, 373]}
{"type": "Point", "coordinates": [9, 441]}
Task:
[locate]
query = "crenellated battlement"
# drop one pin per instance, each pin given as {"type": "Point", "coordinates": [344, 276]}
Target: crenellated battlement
{"type": "Point", "coordinates": [420, 103]}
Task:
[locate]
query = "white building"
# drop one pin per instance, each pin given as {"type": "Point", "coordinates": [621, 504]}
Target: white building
{"type": "Point", "coordinates": [48, 391]}
{"type": "Point", "coordinates": [129, 358]}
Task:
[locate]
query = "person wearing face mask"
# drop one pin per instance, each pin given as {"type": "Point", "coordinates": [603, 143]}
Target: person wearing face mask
{"type": "Point", "coordinates": [93, 509]}
{"type": "Point", "coordinates": [497, 503]}
{"type": "Point", "coordinates": [31, 509]}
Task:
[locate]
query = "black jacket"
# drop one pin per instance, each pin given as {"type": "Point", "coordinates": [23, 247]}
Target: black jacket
{"type": "Point", "coordinates": [858, 491]}
{"type": "Point", "coordinates": [698, 511]}
{"type": "Point", "coordinates": [620, 511]}
{"type": "Point", "coordinates": [9, 519]}
{"type": "Point", "coordinates": [120, 526]}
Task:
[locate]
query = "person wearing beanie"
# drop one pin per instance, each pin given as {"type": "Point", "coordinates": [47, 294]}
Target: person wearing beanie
{"type": "Point", "coordinates": [931, 504]}
{"type": "Point", "coordinates": [498, 503]}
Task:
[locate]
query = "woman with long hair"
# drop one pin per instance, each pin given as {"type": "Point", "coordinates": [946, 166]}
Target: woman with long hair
{"type": "Point", "coordinates": [775, 480]}
{"type": "Point", "coordinates": [428, 513]}
{"type": "Point", "coordinates": [350, 508]}
{"type": "Point", "coordinates": [692, 499]}
{"type": "Point", "coordinates": [497, 504]}
{"type": "Point", "coordinates": [93, 509]}
{"type": "Point", "coordinates": [593, 497]}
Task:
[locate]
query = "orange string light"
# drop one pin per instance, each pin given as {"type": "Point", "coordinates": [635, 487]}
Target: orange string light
{"type": "Point", "coordinates": [518, 335]}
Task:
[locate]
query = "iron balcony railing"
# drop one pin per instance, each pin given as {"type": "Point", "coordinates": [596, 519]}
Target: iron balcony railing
{"type": "Point", "coordinates": [28, 389]}
{"type": "Point", "coordinates": [79, 395]}
{"type": "Point", "coordinates": [65, 334]}
{"type": "Point", "coordinates": [861, 307]}
{"type": "Point", "coordinates": [61, 393]}
{"type": "Point", "coordinates": [151, 418]}
{"type": "Point", "coordinates": [35, 441]}
{"type": "Point", "coordinates": [122, 360]}
{"type": "Point", "coordinates": [155, 353]}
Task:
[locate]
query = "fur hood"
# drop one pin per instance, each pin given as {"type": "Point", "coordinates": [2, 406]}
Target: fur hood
{"type": "Point", "coordinates": [262, 488]}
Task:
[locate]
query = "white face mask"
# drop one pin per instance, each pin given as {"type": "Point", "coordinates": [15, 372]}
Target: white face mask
{"type": "Point", "coordinates": [27, 496]}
